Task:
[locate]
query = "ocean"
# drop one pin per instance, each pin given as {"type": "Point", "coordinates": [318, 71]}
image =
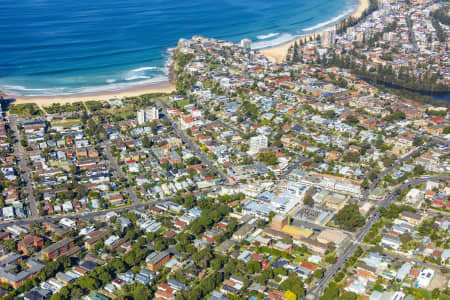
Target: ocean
{"type": "Point", "coordinates": [50, 47]}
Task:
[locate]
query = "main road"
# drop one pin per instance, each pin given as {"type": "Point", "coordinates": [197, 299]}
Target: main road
{"type": "Point", "coordinates": [317, 289]}
{"type": "Point", "coordinates": [89, 215]}
{"type": "Point", "coordinates": [25, 172]}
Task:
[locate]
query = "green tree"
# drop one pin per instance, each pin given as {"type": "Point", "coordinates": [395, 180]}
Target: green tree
{"type": "Point", "coordinates": [318, 273]}
{"type": "Point", "coordinates": [141, 292]}
{"type": "Point", "coordinates": [308, 200]}
{"type": "Point", "coordinates": [348, 296]}
{"type": "Point", "coordinates": [253, 267]}
{"type": "Point", "coordinates": [88, 283]}
{"type": "Point", "coordinates": [293, 284]}
{"type": "Point", "coordinates": [418, 141]}
{"type": "Point", "coordinates": [331, 292]}
{"type": "Point", "coordinates": [269, 158]}
{"type": "Point", "coordinates": [160, 244]}
{"type": "Point", "coordinates": [11, 244]}
{"type": "Point", "coordinates": [419, 170]}
{"type": "Point", "coordinates": [349, 218]}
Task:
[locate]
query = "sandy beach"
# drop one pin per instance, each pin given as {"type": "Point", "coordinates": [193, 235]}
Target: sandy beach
{"type": "Point", "coordinates": [161, 87]}
{"type": "Point", "coordinates": [278, 54]}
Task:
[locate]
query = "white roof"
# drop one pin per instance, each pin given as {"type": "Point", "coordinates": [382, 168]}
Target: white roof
{"type": "Point", "coordinates": [8, 212]}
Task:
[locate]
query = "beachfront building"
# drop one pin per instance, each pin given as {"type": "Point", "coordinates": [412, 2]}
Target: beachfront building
{"type": "Point", "coordinates": [147, 115]}
{"type": "Point", "coordinates": [246, 43]}
{"type": "Point", "coordinates": [329, 37]}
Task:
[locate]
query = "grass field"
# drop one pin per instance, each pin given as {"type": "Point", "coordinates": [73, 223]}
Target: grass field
{"type": "Point", "coordinates": [66, 123]}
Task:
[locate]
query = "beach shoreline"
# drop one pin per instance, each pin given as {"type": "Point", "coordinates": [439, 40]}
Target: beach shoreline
{"type": "Point", "coordinates": [160, 87]}
{"type": "Point", "coordinates": [278, 53]}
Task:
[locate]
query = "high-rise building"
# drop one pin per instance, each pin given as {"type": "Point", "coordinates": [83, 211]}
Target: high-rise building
{"type": "Point", "coordinates": [147, 115]}
{"type": "Point", "coordinates": [257, 143]}
{"type": "Point", "coordinates": [329, 38]}
{"type": "Point", "coordinates": [246, 44]}
{"type": "Point", "coordinates": [141, 117]}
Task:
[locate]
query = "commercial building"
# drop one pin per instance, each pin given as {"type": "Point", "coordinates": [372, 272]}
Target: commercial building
{"type": "Point", "coordinates": [332, 236]}
{"type": "Point", "coordinates": [297, 232]}
{"type": "Point", "coordinates": [333, 183]}
{"type": "Point", "coordinates": [312, 215]}
{"type": "Point", "coordinates": [279, 221]}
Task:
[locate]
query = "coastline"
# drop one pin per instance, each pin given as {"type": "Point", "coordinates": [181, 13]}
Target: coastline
{"type": "Point", "coordinates": [275, 54]}
{"type": "Point", "coordinates": [160, 87]}
{"type": "Point", "coordinates": [278, 54]}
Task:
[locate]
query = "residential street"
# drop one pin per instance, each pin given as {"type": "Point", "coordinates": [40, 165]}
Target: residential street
{"type": "Point", "coordinates": [197, 151]}
{"type": "Point", "coordinates": [25, 172]}
{"type": "Point", "coordinates": [118, 172]}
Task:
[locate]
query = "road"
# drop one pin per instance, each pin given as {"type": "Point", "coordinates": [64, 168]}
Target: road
{"type": "Point", "coordinates": [386, 171]}
{"type": "Point", "coordinates": [218, 121]}
{"type": "Point", "coordinates": [112, 163]}
{"type": "Point", "coordinates": [188, 141]}
{"type": "Point", "coordinates": [89, 215]}
{"type": "Point", "coordinates": [317, 289]}
{"type": "Point", "coordinates": [118, 172]}
{"type": "Point", "coordinates": [84, 215]}
{"type": "Point", "coordinates": [25, 172]}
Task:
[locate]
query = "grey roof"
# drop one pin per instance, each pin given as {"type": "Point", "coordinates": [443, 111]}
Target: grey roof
{"type": "Point", "coordinates": [88, 265]}
{"type": "Point", "coordinates": [64, 277]}
{"type": "Point", "coordinates": [156, 257]}
{"type": "Point", "coordinates": [11, 258]}
{"type": "Point", "coordinates": [175, 284]}
{"type": "Point", "coordinates": [33, 295]}
{"type": "Point", "coordinates": [34, 267]}
{"type": "Point", "coordinates": [57, 245]}
{"type": "Point", "coordinates": [226, 246]}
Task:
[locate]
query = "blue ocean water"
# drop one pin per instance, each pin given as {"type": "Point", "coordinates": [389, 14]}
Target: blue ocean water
{"type": "Point", "coordinates": [50, 47]}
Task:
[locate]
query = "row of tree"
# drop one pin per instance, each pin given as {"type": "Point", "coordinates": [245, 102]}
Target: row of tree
{"type": "Point", "coordinates": [401, 78]}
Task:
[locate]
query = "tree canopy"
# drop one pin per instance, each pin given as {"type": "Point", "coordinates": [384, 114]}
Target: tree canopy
{"type": "Point", "coordinates": [349, 218]}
